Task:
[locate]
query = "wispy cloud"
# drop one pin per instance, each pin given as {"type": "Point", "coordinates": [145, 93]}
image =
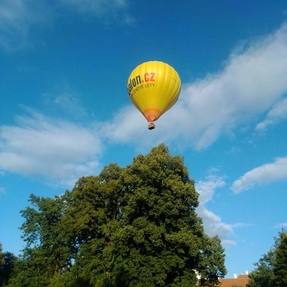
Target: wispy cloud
{"type": "Point", "coordinates": [250, 84]}
{"type": "Point", "coordinates": [228, 242]}
{"type": "Point", "coordinates": [106, 10]}
{"type": "Point", "coordinates": [277, 113]}
{"type": "Point", "coordinates": [265, 173]}
{"type": "Point", "coordinates": [19, 17]}
{"type": "Point", "coordinates": [207, 187]}
{"type": "Point", "coordinates": [53, 149]}
{"type": "Point", "coordinates": [65, 103]}
{"type": "Point", "coordinates": [213, 223]}
{"type": "Point", "coordinates": [97, 7]}
{"type": "Point", "coordinates": [15, 21]}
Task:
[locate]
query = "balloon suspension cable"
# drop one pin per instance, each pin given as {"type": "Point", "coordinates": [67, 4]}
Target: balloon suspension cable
{"type": "Point", "coordinates": [151, 125]}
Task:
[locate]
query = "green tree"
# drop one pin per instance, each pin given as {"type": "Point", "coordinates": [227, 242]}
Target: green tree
{"type": "Point", "coordinates": [263, 275]}
{"type": "Point", "coordinates": [134, 226]}
{"type": "Point", "coordinates": [271, 270]}
{"type": "Point", "coordinates": [212, 259]}
{"type": "Point", "coordinates": [47, 251]}
{"type": "Point", "coordinates": [7, 263]}
{"type": "Point", "coordinates": [1, 255]}
{"type": "Point", "coordinates": [280, 264]}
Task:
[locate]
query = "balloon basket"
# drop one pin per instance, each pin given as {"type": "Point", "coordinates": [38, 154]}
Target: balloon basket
{"type": "Point", "coordinates": [151, 126]}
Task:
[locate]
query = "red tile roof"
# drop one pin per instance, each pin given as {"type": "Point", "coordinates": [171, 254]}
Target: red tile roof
{"type": "Point", "coordinates": [240, 281]}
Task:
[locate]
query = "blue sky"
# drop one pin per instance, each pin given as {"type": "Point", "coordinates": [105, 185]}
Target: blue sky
{"type": "Point", "coordinates": [65, 111]}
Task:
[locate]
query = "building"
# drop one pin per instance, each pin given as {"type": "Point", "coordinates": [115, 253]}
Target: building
{"type": "Point", "coordinates": [237, 281]}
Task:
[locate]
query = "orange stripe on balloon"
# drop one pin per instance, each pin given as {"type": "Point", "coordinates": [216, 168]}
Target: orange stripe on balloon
{"type": "Point", "coordinates": [152, 114]}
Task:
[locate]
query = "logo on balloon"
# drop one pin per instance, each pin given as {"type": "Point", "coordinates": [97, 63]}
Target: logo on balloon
{"type": "Point", "coordinates": [137, 82]}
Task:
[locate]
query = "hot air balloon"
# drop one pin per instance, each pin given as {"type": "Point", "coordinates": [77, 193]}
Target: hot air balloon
{"type": "Point", "coordinates": [153, 87]}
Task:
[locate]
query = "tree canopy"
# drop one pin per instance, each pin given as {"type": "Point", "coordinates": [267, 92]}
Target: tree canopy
{"type": "Point", "coordinates": [7, 262]}
{"type": "Point", "coordinates": [271, 269]}
{"type": "Point", "coordinates": [129, 226]}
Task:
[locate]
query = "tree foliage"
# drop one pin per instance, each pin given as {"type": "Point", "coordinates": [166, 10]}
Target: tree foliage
{"type": "Point", "coordinates": [271, 270]}
{"type": "Point", "coordinates": [263, 274]}
{"type": "Point", "coordinates": [1, 255]}
{"type": "Point", "coordinates": [134, 226]}
{"type": "Point", "coordinates": [7, 262]}
{"type": "Point", "coordinates": [280, 264]}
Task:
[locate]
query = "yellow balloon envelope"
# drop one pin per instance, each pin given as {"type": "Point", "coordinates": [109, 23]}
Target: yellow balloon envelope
{"type": "Point", "coordinates": [153, 87]}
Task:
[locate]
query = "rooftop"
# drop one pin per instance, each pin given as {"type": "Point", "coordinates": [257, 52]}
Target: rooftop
{"type": "Point", "coordinates": [240, 281]}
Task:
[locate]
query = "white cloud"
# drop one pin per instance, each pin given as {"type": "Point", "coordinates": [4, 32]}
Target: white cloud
{"type": "Point", "coordinates": [127, 122]}
{"type": "Point", "coordinates": [227, 242]}
{"type": "Point", "coordinates": [207, 188]}
{"type": "Point", "coordinates": [96, 7]}
{"type": "Point", "coordinates": [65, 103]}
{"type": "Point", "coordinates": [54, 149]}
{"type": "Point", "coordinates": [249, 85]}
{"type": "Point", "coordinates": [18, 17]}
{"type": "Point", "coordinates": [265, 173]}
{"type": "Point", "coordinates": [213, 224]}
{"type": "Point", "coordinates": [277, 113]}
{"type": "Point", "coordinates": [14, 20]}
{"type": "Point", "coordinates": [2, 190]}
